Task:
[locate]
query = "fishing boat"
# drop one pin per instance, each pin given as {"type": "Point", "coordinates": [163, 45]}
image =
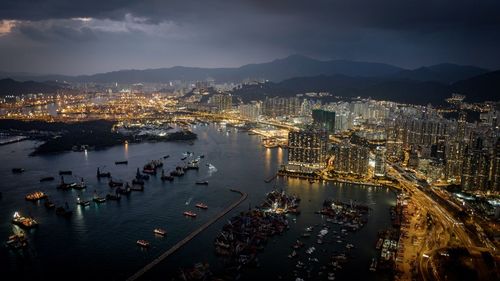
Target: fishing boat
{"type": "Point", "coordinates": [24, 222]}
{"type": "Point", "coordinates": [65, 172]}
{"type": "Point", "coordinates": [35, 196]}
{"type": "Point", "coordinates": [165, 177]}
{"type": "Point", "coordinates": [201, 206]}
{"type": "Point", "coordinates": [49, 204]}
{"type": "Point", "coordinates": [64, 211]}
{"type": "Point", "coordinates": [46, 179]}
{"type": "Point", "coordinates": [143, 243]}
{"type": "Point", "coordinates": [17, 170]}
{"type": "Point", "coordinates": [82, 203]}
{"type": "Point", "coordinates": [190, 214]}
{"type": "Point", "coordinates": [160, 231]}
{"type": "Point", "coordinates": [166, 156]}
{"type": "Point", "coordinates": [79, 186]}
{"type": "Point", "coordinates": [113, 197]}
{"type": "Point", "coordinates": [98, 199]}
{"type": "Point", "coordinates": [17, 241]}
{"type": "Point", "coordinates": [124, 191]}
{"type": "Point", "coordinates": [65, 186]}
{"type": "Point", "coordinates": [125, 162]}
{"type": "Point", "coordinates": [103, 174]}
{"type": "Point", "coordinates": [202, 182]}
{"type": "Point", "coordinates": [113, 183]}
{"type": "Point", "coordinates": [184, 158]}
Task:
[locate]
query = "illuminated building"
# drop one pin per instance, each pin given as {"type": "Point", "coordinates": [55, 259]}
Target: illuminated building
{"type": "Point", "coordinates": [307, 150]}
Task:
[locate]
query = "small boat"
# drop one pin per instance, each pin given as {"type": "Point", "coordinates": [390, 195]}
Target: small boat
{"type": "Point", "coordinates": [143, 243]}
{"type": "Point", "coordinates": [124, 191]}
{"type": "Point", "coordinates": [65, 172]}
{"type": "Point", "coordinates": [160, 231]}
{"type": "Point", "coordinates": [292, 255]}
{"type": "Point", "coordinates": [373, 265]}
{"type": "Point", "coordinates": [202, 156]}
{"type": "Point", "coordinates": [190, 214]}
{"type": "Point", "coordinates": [184, 158]}
{"type": "Point", "coordinates": [24, 222]}
{"type": "Point", "coordinates": [98, 199]}
{"type": "Point", "coordinates": [65, 186]}
{"type": "Point", "coordinates": [35, 196]}
{"type": "Point", "coordinates": [17, 170]}
{"type": "Point", "coordinates": [136, 187]}
{"type": "Point", "coordinates": [46, 179]}
{"type": "Point", "coordinates": [17, 241]}
{"type": "Point", "coordinates": [125, 162]}
{"type": "Point", "coordinates": [165, 177]}
{"type": "Point", "coordinates": [113, 197]}
{"type": "Point", "coordinates": [82, 203]}
{"type": "Point", "coordinates": [64, 211]}
{"type": "Point", "coordinates": [103, 174]}
{"type": "Point", "coordinates": [49, 204]}
{"type": "Point", "coordinates": [149, 171]}
{"type": "Point", "coordinates": [201, 206]}
{"type": "Point", "coordinates": [202, 182]}
{"type": "Point", "coordinates": [79, 186]}
{"type": "Point", "coordinates": [113, 183]}
{"type": "Point", "coordinates": [166, 156]}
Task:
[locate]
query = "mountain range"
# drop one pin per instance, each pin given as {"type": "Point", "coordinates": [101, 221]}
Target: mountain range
{"type": "Point", "coordinates": [298, 74]}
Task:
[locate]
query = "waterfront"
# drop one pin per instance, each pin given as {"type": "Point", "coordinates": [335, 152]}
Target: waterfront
{"type": "Point", "coordinates": [101, 238]}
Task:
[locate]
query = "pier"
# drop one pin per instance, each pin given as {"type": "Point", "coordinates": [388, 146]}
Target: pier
{"type": "Point", "coordinates": [188, 238]}
{"type": "Point", "coordinates": [271, 178]}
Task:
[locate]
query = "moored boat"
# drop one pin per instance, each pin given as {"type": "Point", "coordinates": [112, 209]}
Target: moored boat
{"type": "Point", "coordinates": [201, 206]}
{"type": "Point", "coordinates": [113, 183]}
{"type": "Point", "coordinates": [125, 162]}
{"type": "Point", "coordinates": [17, 170]}
{"type": "Point", "coordinates": [49, 204]}
{"type": "Point", "coordinates": [35, 196]}
{"type": "Point", "coordinates": [143, 243]}
{"type": "Point", "coordinates": [65, 172]}
{"type": "Point", "coordinates": [24, 222]}
{"type": "Point", "coordinates": [202, 182]}
{"type": "Point", "coordinates": [160, 231]}
{"type": "Point", "coordinates": [190, 214]}
{"type": "Point", "coordinates": [82, 203]}
{"type": "Point", "coordinates": [46, 179]}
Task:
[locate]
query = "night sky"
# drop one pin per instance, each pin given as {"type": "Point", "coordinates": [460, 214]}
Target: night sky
{"type": "Point", "coordinates": [67, 37]}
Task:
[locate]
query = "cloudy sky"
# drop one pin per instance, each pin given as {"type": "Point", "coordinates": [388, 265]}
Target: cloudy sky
{"type": "Point", "coordinates": [84, 37]}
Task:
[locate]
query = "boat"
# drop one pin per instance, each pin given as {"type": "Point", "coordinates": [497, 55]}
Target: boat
{"type": "Point", "coordinates": [17, 241]}
{"type": "Point", "coordinates": [373, 265]}
{"type": "Point", "coordinates": [35, 196]}
{"type": "Point", "coordinates": [113, 183]}
{"type": "Point", "coordinates": [113, 197]}
{"type": "Point", "coordinates": [202, 156]}
{"type": "Point", "coordinates": [184, 158]}
{"type": "Point", "coordinates": [65, 172]}
{"type": "Point", "coordinates": [160, 231]}
{"type": "Point", "coordinates": [201, 206]}
{"type": "Point", "coordinates": [103, 174]}
{"type": "Point", "coordinates": [24, 222]}
{"type": "Point", "coordinates": [64, 211]}
{"type": "Point", "coordinates": [125, 162]}
{"type": "Point", "coordinates": [292, 255]}
{"type": "Point", "coordinates": [137, 187]}
{"type": "Point", "coordinates": [124, 191]}
{"type": "Point", "coordinates": [46, 179]}
{"type": "Point", "coordinates": [165, 177]}
{"type": "Point", "coordinates": [49, 204]}
{"type": "Point", "coordinates": [82, 203]}
{"type": "Point", "coordinates": [98, 199]}
{"type": "Point", "coordinates": [202, 182]}
{"type": "Point", "coordinates": [190, 214]}
{"type": "Point", "coordinates": [79, 186]}
{"type": "Point", "coordinates": [143, 243]}
{"type": "Point", "coordinates": [17, 170]}
{"type": "Point", "coordinates": [166, 156]}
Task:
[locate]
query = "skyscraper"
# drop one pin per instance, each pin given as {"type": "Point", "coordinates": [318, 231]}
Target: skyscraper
{"type": "Point", "coordinates": [307, 149]}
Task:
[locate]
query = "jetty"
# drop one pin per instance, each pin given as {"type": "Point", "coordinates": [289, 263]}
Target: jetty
{"type": "Point", "coordinates": [188, 238]}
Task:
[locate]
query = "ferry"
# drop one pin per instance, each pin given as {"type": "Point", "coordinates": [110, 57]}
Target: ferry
{"type": "Point", "coordinates": [190, 214]}
{"type": "Point", "coordinates": [24, 222]}
{"type": "Point", "coordinates": [143, 243]}
{"type": "Point", "coordinates": [35, 196]}
{"type": "Point", "coordinates": [66, 172]}
{"type": "Point", "coordinates": [46, 179]}
{"type": "Point", "coordinates": [125, 162]}
{"type": "Point", "coordinates": [17, 170]}
{"type": "Point", "coordinates": [201, 206]}
{"type": "Point", "coordinates": [160, 231]}
{"type": "Point", "coordinates": [202, 182]}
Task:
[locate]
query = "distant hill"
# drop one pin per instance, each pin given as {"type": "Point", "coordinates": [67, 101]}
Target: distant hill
{"type": "Point", "coordinates": [398, 90]}
{"type": "Point", "coordinates": [485, 87]}
{"type": "Point", "coordinates": [276, 70]}
{"type": "Point", "coordinates": [446, 73]}
{"type": "Point", "coordinates": [11, 87]}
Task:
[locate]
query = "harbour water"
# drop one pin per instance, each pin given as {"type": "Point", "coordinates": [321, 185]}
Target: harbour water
{"type": "Point", "coordinates": [99, 241]}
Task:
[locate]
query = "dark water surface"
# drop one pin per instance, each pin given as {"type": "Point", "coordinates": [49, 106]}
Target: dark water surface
{"type": "Point", "coordinates": [98, 242]}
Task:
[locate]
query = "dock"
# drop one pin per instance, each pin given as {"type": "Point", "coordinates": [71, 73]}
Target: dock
{"type": "Point", "coordinates": [188, 238]}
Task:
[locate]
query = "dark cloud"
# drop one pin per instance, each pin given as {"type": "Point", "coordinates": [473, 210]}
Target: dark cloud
{"type": "Point", "coordinates": [154, 33]}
